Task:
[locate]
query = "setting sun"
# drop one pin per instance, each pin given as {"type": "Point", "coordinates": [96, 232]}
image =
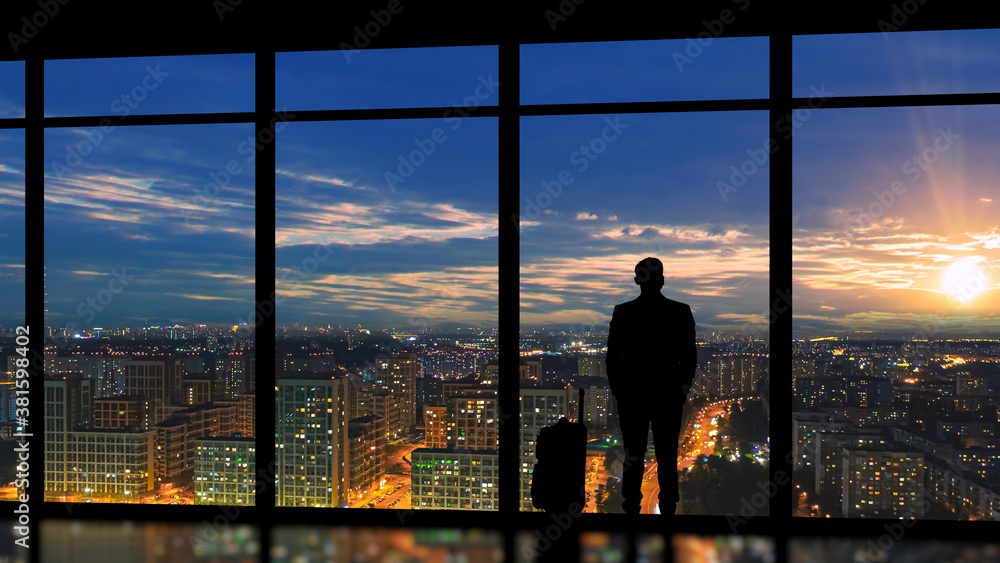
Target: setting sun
{"type": "Point", "coordinates": [965, 279]}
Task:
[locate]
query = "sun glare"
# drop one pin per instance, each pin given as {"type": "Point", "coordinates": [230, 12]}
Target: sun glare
{"type": "Point", "coordinates": [965, 279]}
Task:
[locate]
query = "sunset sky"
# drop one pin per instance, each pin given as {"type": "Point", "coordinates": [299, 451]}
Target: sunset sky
{"type": "Point", "coordinates": [354, 248]}
{"type": "Point", "coordinates": [926, 255]}
{"type": "Point", "coordinates": [142, 201]}
{"type": "Point", "coordinates": [423, 251]}
{"type": "Point", "coordinates": [652, 192]}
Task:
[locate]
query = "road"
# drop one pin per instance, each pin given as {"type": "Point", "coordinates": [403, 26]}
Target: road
{"type": "Point", "coordinates": [650, 489]}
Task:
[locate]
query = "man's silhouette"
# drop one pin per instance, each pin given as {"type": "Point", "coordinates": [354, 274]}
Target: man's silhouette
{"type": "Point", "coordinates": [651, 361]}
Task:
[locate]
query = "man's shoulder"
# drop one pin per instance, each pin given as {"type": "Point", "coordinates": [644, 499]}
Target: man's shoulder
{"type": "Point", "coordinates": [660, 299]}
{"type": "Point", "coordinates": [642, 307]}
{"type": "Point", "coordinates": [676, 305]}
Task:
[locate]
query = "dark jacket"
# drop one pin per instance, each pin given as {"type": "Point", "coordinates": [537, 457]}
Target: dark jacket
{"type": "Point", "coordinates": [651, 349]}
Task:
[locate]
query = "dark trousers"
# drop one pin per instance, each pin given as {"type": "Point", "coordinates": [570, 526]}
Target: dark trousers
{"type": "Point", "coordinates": [635, 415]}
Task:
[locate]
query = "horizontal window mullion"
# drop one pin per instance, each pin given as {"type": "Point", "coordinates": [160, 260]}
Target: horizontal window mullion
{"type": "Point", "coordinates": [899, 101]}
{"type": "Point", "coordinates": [13, 123]}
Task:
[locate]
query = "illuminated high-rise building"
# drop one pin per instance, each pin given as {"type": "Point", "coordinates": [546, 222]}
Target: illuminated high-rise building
{"type": "Point", "coordinates": [398, 376]}
{"type": "Point", "coordinates": [593, 365]}
{"type": "Point", "coordinates": [436, 426]}
{"type": "Point", "coordinates": [311, 441]}
{"type": "Point", "coordinates": [540, 407]}
{"type": "Point", "coordinates": [882, 483]}
{"type": "Point", "coordinates": [158, 380]}
{"type": "Point", "coordinates": [473, 420]}
{"type": "Point", "coordinates": [450, 479]}
{"type": "Point", "coordinates": [368, 443]}
{"type": "Point", "coordinates": [225, 471]}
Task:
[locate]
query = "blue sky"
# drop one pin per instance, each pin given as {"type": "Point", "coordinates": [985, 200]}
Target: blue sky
{"type": "Point", "coordinates": [876, 64]}
{"type": "Point", "coordinates": [159, 207]}
{"type": "Point", "coordinates": [149, 85]}
{"type": "Point", "coordinates": [385, 78]}
{"type": "Point", "coordinates": [642, 71]}
{"type": "Point", "coordinates": [11, 89]}
{"type": "Point", "coordinates": [422, 250]}
{"type": "Point", "coordinates": [144, 203]}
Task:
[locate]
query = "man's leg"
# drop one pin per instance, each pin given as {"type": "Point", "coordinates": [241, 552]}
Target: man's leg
{"type": "Point", "coordinates": [634, 422]}
{"type": "Point", "coordinates": [666, 437]}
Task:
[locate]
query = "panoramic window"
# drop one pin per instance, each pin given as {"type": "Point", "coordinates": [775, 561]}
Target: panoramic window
{"type": "Point", "coordinates": [386, 283]}
{"type": "Point", "coordinates": [896, 278]}
{"type": "Point", "coordinates": [12, 288]}
{"type": "Point", "coordinates": [600, 193]}
{"type": "Point", "coordinates": [150, 363]}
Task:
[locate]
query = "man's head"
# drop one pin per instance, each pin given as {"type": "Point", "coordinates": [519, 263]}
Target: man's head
{"type": "Point", "coordinates": [649, 274]}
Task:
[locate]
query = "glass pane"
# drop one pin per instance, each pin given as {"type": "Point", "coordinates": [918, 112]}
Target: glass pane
{"type": "Point", "coordinates": [879, 64]}
{"type": "Point", "coordinates": [149, 85]}
{"type": "Point", "coordinates": [599, 194]}
{"type": "Point", "coordinates": [149, 254]}
{"type": "Point", "coordinates": [386, 254]}
{"type": "Point", "coordinates": [11, 89]}
{"type": "Point", "coordinates": [702, 68]}
{"type": "Point", "coordinates": [896, 253]}
{"type": "Point", "coordinates": [460, 77]}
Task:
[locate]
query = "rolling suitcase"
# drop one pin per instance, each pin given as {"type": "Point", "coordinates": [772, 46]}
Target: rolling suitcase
{"type": "Point", "coordinates": [558, 478]}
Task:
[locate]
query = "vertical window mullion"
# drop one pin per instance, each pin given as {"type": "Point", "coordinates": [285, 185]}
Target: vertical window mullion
{"type": "Point", "coordinates": [34, 201]}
